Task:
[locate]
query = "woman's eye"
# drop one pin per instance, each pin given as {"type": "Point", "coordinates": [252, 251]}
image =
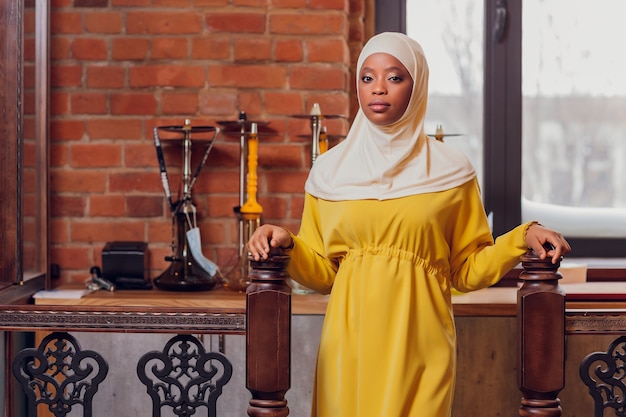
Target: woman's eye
{"type": "Point", "coordinates": [366, 78]}
{"type": "Point", "coordinates": [395, 78]}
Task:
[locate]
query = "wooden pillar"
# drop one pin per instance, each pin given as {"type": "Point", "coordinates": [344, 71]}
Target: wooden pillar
{"type": "Point", "coordinates": [268, 336]}
{"type": "Point", "coordinates": [541, 337]}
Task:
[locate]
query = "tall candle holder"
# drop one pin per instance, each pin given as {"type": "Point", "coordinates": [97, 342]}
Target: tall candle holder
{"type": "Point", "coordinates": [185, 272]}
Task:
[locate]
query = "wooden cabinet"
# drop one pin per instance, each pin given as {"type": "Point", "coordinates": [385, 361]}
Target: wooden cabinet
{"type": "Point", "coordinates": [23, 148]}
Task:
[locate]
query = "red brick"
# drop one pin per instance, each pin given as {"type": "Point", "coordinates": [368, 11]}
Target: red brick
{"type": "Point", "coordinates": [88, 103]}
{"type": "Point", "coordinates": [333, 103]}
{"type": "Point", "coordinates": [126, 49]}
{"type": "Point", "coordinates": [140, 155]}
{"type": "Point", "coordinates": [295, 4]}
{"type": "Point", "coordinates": [28, 46]}
{"type": "Point", "coordinates": [58, 154]}
{"type": "Point", "coordinates": [255, 49]}
{"type": "Point", "coordinates": [144, 206]}
{"type": "Point", "coordinates": [70, 258]}
{"type": "Point", "coordinates": [179, 103]}
{"type": "Point", "coordinates": [280, 156]}
{"type": "Point", "coordinates": [106, 231]}
{"type": "Point", "coordinates": [114, 129]}
{"type": "Point", "coordinates": [288, 50]}
{"type": "Point", "coordinates": [66, 75]}
{"type": "Point", "coordinates": [216, 103]}
{"type": "Point", "coordinates": [103, 22]}
{"type": "Point", "coordinates": [296, 206]}
{"type": "Point", "coordinates": [59, 229]}
{"type": "Point", "coordinates": [212, 232]}
{"type": "Point", "coordinates": [250, 101]}
{"type": "Point", "coordinates": [91, 3]}
{"type": "Point", "coordinates": [248, 76]}
{"type": "Point", "coordinates": [62, 205]}
{"type": "Point", "coordinates": [274, 207]}
{"type": "Point", "coordinates": [70, 181]}
{"type": "Point", "coordinates": [213, 47]}
{"type": "Point", "coordinates": [172, 3]}
{"type": "Point", "coordinates": [221, 206]}
{"type": "Point", "coordinates": [206, 3]}
{"type": "Point", "coordinates": [169, 48]}
{"type": "Point", "coordinates": [330, 4]}
{"type": "Point", "coordinates": [167, 76]}
{"type": "Point", "coordinates": [319, 77]}
{"type": "Point", "coordinates": [84, 155]}
{"type": "Point", "coordinates": [59, 103]}
{"type": "Point", "coordinates": [283, 102]}
{"type": "Point", "coordinates": [60, 3]}
{"type": "Point", "coordinates": [59, 48]}
{"type": "Point", "coordinates": [163, 22]}
{"type": "Point", "coordinates": [66, 22]}
{"type": "Point", "coordinates": [160, 230]}
{"type": "Point", "coordinates": [250, 3]}
{"type": "Point", "coordinates": [133, 103]}
{"type": "Point", "coordinates": [130, 3]}
{"type": "Point", "coordinates": [307, 24]}
{"type": "Point", "coordinates": [236, 22]}
{"type": "Point", "coordinates": [135, 181]}
{"type": "Point", "coordinates": [107, 205]}
{"type": "Point", "coordinates": [282, 182]}
{"type": "Point", "coordinates": [89, 49]}
{"type": "Point", "coordinates": [66, 129]}
{"type": "Point", "coordinates": [109, 77]}
{"type": "Point", "coordinates": [227, 181]}
{"type": "Point", "coordinates": [328, 50]}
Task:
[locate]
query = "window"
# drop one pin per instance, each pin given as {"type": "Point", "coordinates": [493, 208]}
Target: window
{"type": "Point", "coordinates": [553, 135]}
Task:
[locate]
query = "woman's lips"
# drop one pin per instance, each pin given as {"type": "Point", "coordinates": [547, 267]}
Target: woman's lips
{"type": "Point", "coordinates": [378, 105]}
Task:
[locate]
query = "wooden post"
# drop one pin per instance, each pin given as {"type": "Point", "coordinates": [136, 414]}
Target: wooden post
{"type": "Point", "coordinates": [541, 337]}
{"type": "Point", "coordinates": [268, 336]}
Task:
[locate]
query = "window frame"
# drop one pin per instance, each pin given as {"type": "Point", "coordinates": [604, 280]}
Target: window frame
{"type": "Point", "coordinates": [502, 185]}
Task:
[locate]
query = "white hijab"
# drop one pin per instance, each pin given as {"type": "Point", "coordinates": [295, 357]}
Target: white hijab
{"type": "Point", "coordinates": [392, 161]}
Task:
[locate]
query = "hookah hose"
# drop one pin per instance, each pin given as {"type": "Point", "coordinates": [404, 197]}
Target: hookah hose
{"type": "Point", "coordinates": [162, 169]}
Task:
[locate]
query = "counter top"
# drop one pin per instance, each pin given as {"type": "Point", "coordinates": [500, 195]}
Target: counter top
{"type": "Point", "coordinates": [494, 301]}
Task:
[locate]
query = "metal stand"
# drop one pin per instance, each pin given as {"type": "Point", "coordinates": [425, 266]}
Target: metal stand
{"type": "Point", "coordinates": [184, 272]}
{"type": "Point", "coordinates": [236, 279]}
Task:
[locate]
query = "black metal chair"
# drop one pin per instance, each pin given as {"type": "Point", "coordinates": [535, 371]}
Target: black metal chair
{"type": "Point", "coordinates": [59, 374]}
{"type": "Point", "coordinates": [605, 375]}
{"type": "Point", "coordinates": [184, 377]}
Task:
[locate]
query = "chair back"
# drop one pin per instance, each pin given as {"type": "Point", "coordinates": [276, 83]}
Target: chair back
{"type": "Point", "coordinates": [59, 374]}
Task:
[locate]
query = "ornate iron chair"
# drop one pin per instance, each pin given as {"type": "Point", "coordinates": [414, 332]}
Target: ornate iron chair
{"type": "Point", "coordinates": [59, 374]}
{"type": "Point", "coordinates": [605, 374]}
{"type": "Point", "coordinates": [184, 377]}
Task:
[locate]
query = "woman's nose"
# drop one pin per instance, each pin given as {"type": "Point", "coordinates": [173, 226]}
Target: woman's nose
{"type": "Point", "coordinates": [379, 89]}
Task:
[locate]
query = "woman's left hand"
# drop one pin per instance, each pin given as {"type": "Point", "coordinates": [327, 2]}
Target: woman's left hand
{"type": "Point", "coordinates": [537, 236]}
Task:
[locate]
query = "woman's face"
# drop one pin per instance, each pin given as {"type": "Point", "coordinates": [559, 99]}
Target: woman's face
{"type": "Point", "coordinates": [384, 88]}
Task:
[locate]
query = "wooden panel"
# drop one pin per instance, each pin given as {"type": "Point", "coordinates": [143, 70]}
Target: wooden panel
{"type": "Point", "coordinates": [10, 55]}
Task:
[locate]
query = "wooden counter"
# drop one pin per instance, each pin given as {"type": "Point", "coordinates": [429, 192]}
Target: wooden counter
{"type": "Point", "coordinates": [493, 301]}
{"type": "Point", "coordinates": [219, 299]}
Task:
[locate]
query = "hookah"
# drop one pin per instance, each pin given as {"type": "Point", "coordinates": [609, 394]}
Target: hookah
{"type": "Point", "coordinates": [319, 145]}
{"type": "Point", "coordinates": [237, 279]}
{"type": "Point", "coordinates": [189, 270]}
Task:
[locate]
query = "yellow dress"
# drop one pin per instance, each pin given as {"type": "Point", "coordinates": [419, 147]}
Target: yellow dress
{"type": "Point", "coordinates": [387, 347]}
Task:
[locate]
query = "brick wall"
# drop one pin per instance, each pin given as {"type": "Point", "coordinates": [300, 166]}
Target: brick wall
{"type": "Point", "coordinates": [121, 67]}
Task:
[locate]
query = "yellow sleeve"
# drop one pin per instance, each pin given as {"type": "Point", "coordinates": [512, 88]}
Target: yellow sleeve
{"type": "Point", "coordinates": [476, 261]}
{"type": "Point", "coordinates": [308, 265]}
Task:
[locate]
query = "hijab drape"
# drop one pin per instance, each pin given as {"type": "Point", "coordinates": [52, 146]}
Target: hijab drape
{"type": "Point", "coordinates": [391, 161]}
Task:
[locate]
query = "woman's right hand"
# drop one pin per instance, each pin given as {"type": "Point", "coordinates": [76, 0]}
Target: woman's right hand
{"type": "Point", "coordinates": [266, 237]}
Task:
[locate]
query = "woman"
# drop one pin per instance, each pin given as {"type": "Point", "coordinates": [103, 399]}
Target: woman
{"type": "Point", "coordinates": [392, 221]}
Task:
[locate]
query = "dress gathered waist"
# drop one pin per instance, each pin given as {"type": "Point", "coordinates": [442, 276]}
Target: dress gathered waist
{"type": "Point", "coordinates": [393, 252]}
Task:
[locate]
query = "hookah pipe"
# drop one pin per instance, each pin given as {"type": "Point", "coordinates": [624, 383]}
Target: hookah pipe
{"type": "Point", "coordinates": [251, 210]}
